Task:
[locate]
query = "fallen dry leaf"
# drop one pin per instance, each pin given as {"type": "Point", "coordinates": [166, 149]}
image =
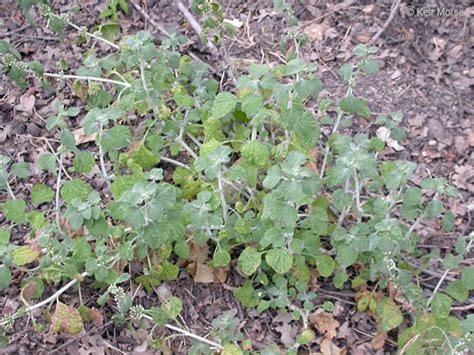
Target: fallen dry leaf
{"type": "Point", "coordinates": [368, 9]}
{"type": "Point", "coordinates": [324, 323]}
{"type": "Point", "coordinates": [463, 177]}
{"type": "Point", "coordinates": [27, 103]}
{"type": "Point", "coordinates": [82, 138]}
{"type": "Point", "coordinates": [316, 31]}
{"type": "Point", "coordinates": [363, 38]}
{"type": "Point", "coordinates": [66, 320]}
{"type": "Point", "coordinates": [329, 348]}
{"type": "Point", "coordinates": [220, 275]}
{"type": "Point", "coordinates": [203, 274]}
{"type": "Point", "coordinates": [378, 341]}
{"type": "Point", "coordinates": [383, 133]}
{"type": "Point", "coordinates": [96, 315]}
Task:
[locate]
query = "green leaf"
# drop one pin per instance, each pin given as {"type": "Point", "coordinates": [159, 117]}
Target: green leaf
{"type": "Point", "coordinates": [83, 162]}
{"type": "Point", "coordinates": [81, 250]}
{"type": "Point", "coordinates": [273, 177]}
{"type": "Point", "coordinates": [14, 211]}
{"type": "Point", "coordinates": [41, 194]}
{"type": "Point", "coordinates": [221, 258]}
{"type": "Point", "coordinates": [144, 157]}
{"type": "Point", "coordinates": [434, 209]}
{"type": "Point", "coordinates": [346, 71]}
{"type": "Point", "coordinates": [317, 221]}
{"type": "Point", "coordinates": [213, 129]}
{"type": "Point", "coordinates": [47, 162]}
{"type": "Point", "coordinates": [68, 140]}
{"type": "Point", "coordinates": [441, 305]}
{"type": "Point", "coordinates": [389, 314]}
{"type": "Point", "coordinates": [307, 130]}
{"type": "Point", "coordinates": [97, 117]}
{"type": "Point", "coordinates": [249, 261]}
{"type": "Point", "coordinates": [4, 236]}
{"type": "Point", "coordinates": [5, 278]}
{"type": "Point", "coordinates": [116, 138]}
{"type": "Point", "coordinates": [346, 255]}
{"type": "Point", "coordinates": [124, 183]}
{"type": "Point", "coordinates": [457, 290]}
{"type": "Point", "coordinates": [325, 265]}
{"type": "Point", "coordinates": [246, 295]}
{"type": "Point", "coordinates": [75, 189]}
{"type": "Point", "coordinates": [223, 104]}
{"type": "Point", "coordinates": [352, 104]}
{"type": "Point", "coordinates": [370, 67]}
{"type": "Point", "coordinates": [279, 211]}
{"type": "Point", "coordinates": [255, 152]}
{"type": "Point", "coordinates": [279, 260]}
{"type": "Point", "coordinates": [24, 255]}
{"type": "Point", "coordinates": [231, 349]}
{"type": "Point", "coordinates": [172, 307]}
{"type": "Point", "coordinates": [467, 325]}
{"type": "Point", "coordinates": [448, 222]}
{"type": "Point", "coordinates": [412, 196]}
{"type": "Point", "coordinates": [36, 220]}
{"type": "Point", "coordinates": [66, 319]}
{"type": "Point", "coordinates": [251, 104]}
{"type": "Point", "coordinates": [467, 277]}
{"type": "Point", "coordinates": [21, 170]}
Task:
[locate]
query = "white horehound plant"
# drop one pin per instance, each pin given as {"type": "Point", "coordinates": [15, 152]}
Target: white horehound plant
{"type": "Point", "coordinates": [245, 173]}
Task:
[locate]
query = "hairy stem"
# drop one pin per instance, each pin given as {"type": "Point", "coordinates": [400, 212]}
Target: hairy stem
{"type": "Point", "coordinates": [58, 188]}
{"type": "Point", "coordinates": [222, 197]}
{"type": "Point", "coordinates": [91, 78]}
{"type": "Point", "coordinates": [86, 33]}
{"type": "Point", "coordinates": [326, 153]}
{"type": "Point", "coordinates": [188, 334]}
{"type": "Point", "coordinates": [9, 189]}
{"type": "Point", "coordinates": [357, 193]}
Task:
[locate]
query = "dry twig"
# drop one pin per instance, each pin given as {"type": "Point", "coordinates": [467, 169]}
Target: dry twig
{"type": "Point", "coordinates": [393, 11]}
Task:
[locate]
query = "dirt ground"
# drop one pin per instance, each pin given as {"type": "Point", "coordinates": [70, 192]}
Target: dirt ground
{"type": "Point", "coordinates": [426, 72]}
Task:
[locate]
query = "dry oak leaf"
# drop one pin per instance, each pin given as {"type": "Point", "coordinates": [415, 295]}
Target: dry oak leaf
{"type": "Point", "coordinates": [324, 323]}
{"type": "Point", "coordinates": [82, 138]}
{"type": "Point", "coordinates": [203, 274]}
{"type": "Point", "coordinates": [27, 103]}
{"type": "Point", "coordinates": [464, 177]}
{"type": "Point", "coordinates": [66, 319]}
{"type": "Point", "coordinates": [316, 31]}
{"type": "Point", "coordinates": [329, 348]}
{"type": "Point", "coordinates": [378, 341]}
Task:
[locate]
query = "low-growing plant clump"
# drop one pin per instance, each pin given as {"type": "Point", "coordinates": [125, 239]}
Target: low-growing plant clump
{"type": "Point", "coordinates": [260, 174]}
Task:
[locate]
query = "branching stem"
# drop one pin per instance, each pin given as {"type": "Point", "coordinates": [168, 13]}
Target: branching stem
{"type": "Point", "coordinates": [91, 78]}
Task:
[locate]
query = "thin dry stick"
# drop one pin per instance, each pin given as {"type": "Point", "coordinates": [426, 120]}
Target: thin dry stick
{"type": "Point", "coordinates": [196, 26]}
{"type": "Point", "coordinates": [393, 11]}
{"type": "Point", "coordinates": [149, 19]}
{"type": "Point", "coordinates": [214, 51]}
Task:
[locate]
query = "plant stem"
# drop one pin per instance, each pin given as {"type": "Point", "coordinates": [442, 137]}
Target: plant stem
{"type": "Point", "coordinates": [445, 274]}
{"type": "Point", "coordinates": [58, 187]}
{"type": "Point", "coordinates": [187, 148]}
{"type": "Point", "coordinates": [91, 78]}
{"type": "Point", "coordinates": [222, 197]}
{"type": "Point", "coordinates": [9, 189]}
{"type": "Point", "coordinates": [175, 162]}
{"type": "Point", "coordinates": [81, 31]}
{"type": "Point", "coordinates": [101, 155]}
{"type": "Point", "coordinates": [357, 193]}
{"type": "Point", "coordinates": [412, 228]}
{"type": "Point", "coordinates": [188, 334]}
{"type": "Point", "coordinates": [326, 153]}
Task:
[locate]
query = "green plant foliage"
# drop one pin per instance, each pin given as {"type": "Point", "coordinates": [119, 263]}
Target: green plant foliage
{"type": "Point", "coordinates": [212, 179]}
